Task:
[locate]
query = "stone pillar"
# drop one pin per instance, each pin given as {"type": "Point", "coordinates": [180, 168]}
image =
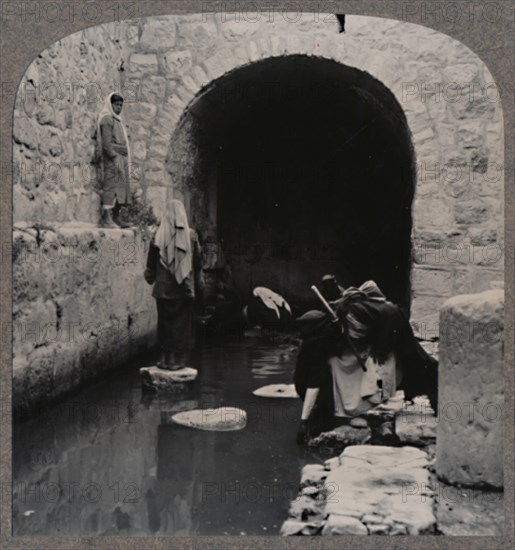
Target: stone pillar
{"type": "Point", "coordinates": [469, 446]}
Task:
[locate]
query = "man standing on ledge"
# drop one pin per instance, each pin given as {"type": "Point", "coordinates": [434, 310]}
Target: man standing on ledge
{"type": "Point", "coordinates": [114, 159]}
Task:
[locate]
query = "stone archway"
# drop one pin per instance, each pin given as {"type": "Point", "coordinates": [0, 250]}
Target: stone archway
{"type": "Point", "coordinates": [384, 68]}
{"type": "Point", "coordinates": [419, 55]}
{"type": "Point", "coordinates": [284, 222]}
{"type": "Point", "coordinates": [170, 63]}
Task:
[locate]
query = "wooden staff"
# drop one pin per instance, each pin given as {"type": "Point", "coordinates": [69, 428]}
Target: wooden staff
{"type": "Point", "coordinates": [329, 309]}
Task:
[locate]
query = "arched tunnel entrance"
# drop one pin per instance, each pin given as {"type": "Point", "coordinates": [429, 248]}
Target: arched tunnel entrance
{"type": "Point", "coordinates": [300, 166]}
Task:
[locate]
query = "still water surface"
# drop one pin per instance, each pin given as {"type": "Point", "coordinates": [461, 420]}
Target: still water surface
{"type": "Point", "coordinates": [108, 461]}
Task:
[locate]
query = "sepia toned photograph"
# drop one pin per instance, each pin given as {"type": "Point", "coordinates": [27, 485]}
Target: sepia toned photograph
{"type": "Point", "coordinates": [257, 279]}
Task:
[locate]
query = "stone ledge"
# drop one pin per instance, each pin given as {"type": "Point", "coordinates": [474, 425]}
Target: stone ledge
{"type": "Point", "coordinates": [395, 422]}
{"type": "Point", "coordinates": [377, 481]}
{"type": "Point", "coordinates": [343, 525]}
{"type": "Point", "coordinates": [70, 307]}
{"type": "Point", "coordinates": [67, 229]}
{"type": "Point", "coordinates": [367, 490]}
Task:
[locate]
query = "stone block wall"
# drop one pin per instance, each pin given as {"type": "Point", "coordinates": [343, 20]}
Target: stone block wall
{"type": "Point", "coordinates": [81, 308]}
{"type": "Point", "coordinates": [55, 119]}
{"type": "Point", "coordinates": [161, 64]}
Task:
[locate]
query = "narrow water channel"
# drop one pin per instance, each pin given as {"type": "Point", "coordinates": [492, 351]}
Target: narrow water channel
{"type": "Point", "coordinates": [109, 460]}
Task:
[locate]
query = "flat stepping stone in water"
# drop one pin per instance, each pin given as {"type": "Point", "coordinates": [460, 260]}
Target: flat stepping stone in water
{"type": "Point", "coordinates": [277, 390]}
{"type": "Point", "coordinates": [223, 419]}
{"type": "Point", "coordinates": [156, 379]}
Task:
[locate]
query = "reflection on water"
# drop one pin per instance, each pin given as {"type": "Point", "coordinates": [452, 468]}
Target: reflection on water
{"type": "Point", "coordinates": [271, 362]}
{"type": "Point", "coordinates": [109, 461]}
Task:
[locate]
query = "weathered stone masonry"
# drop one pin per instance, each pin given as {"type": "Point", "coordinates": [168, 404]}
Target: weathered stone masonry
{"type": "Point", "coordinates": [163, 64]}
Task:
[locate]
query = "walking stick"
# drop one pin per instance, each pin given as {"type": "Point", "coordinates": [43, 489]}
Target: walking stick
{"type": "Point", "coordinates": [329, 309]}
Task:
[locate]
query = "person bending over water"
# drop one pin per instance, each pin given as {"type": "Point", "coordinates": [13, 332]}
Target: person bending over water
{"type": "Point", "coordinates": [321, 339]}
{"type": "Point", "coordinates": [174, 268]}
{"type": "Point", "coordinates": [347, 367]}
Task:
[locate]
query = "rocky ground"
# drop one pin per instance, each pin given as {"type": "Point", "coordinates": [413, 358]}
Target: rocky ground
{"type": "Point", "coordinates": [379, 480]}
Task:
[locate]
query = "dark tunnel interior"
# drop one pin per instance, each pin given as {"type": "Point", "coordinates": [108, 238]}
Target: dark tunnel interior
{"type": "Point", "coordinates": [314, 173]}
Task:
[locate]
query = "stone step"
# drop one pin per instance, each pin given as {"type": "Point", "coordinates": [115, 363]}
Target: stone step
{"type": "Point", "coordinates": [380, 488]}
{"type": "Point", "coordinates": [222, 419]}
{"type": "Point", "coordinates": [415, 427]}
{"type": "Point", "coordinates": [368, 490]}
{"type": "Point", "coordinates": [156, 379]}
{"type": "Point", "coordinates": [395, 422]}
{"type": "Point", "coordinates": [336, 440]}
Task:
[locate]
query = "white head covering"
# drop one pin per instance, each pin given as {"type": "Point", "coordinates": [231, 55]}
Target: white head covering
{"type": "Point", "coordinates": [271, 299]}
{"type": "Point", "coordinates": [173, 240]}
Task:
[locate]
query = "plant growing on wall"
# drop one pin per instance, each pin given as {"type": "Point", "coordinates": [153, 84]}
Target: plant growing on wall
{"type": "Point", "coordinates": [139, 215]}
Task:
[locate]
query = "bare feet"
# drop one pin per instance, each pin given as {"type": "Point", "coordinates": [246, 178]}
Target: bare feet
{"type": "Point", "coordinates": [107, 219]}
{"type": "Point", "coordinates": [175, 367]}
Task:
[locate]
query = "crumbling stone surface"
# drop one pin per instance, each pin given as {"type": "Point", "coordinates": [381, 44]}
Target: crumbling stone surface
{"type": "Point", "coordinates": [339, 438]}
{"type": "Point", "coordinates": [464, 511]}
{"type": "Point", "coordinates": [304, 507]}
{"type": "Point", "coordinates": [416, 424]}
{"type": "Point", "coordinates": [306, 513]}
{"type": "Point", "coordinates": [312, 474]}
{"type": "Point", "coordinates": [380, 429]}
{"type": "Point", "coordinates": [471, 389]}
{"type": "Point", "coordinates": [458, 511]}
{"type": "Point", "coordinates": [343, 525]}
{"type": "Point", "coordinates": [395, 422]}
{"type": "Point", "coordinates": [468, 512]}
{"type": "Point", "coordinates": [367, 490]}
{"type": "Point", "coordinates": [297, 527]}
{"type": "Point", "coordinates": [381, 481]}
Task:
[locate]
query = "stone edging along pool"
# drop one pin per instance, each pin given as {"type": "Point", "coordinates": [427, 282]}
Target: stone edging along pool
{"type": "Point", "coordinates": [380, 480]}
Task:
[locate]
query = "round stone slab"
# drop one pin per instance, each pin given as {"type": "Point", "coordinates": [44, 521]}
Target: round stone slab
{"type": "Point", "coordinates": [223, 419]}
{"type": "Point", "coordinates": [277, 390]}
{"type": "Point", "coordinates": [157, 379]}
